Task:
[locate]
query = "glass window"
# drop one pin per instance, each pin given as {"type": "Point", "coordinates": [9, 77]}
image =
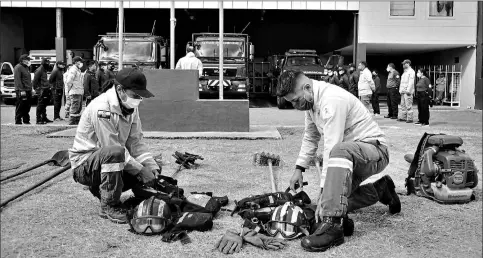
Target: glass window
{"type": "Point", "coordinates": [402, 8]}
{"type": "Point", "coordinates": [441, 9]}
{"type": "Point", "coordinates": [6, 69]}
{"type": "Point", "coordinates": [302, 61]}
{"type": "Point", "coordinates": [134, 51]}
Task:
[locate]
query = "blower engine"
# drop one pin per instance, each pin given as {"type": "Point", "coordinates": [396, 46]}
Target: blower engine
{"type": "Point", "coordinates": [441, 171]}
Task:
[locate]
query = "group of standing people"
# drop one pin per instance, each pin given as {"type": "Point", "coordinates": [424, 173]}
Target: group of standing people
{"type": "Point", "coordinates": [401, 90]}
{"type": "Point", "coordinates": [68, 81]}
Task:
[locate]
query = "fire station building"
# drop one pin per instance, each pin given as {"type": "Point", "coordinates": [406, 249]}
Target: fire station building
{"type": "Point", "coordinates": [445, 37]}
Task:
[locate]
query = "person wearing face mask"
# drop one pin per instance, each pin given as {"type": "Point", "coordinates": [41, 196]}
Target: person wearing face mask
{"type": "Point", "coordinates": [75, 89]}
{"type": "Point", "coordinates": [393, 97]}
{"type": "Point", "coordinates": [344, 79]}
{"type": "Point", "coordinates": [365, 85]}
{"type": "Point", "coordinates": [355, 151]}
{"type": "Point", "coordinates": [326, 77]}
{"type": "Point", "coordinates": [42, 86]}
{"type": "Point", "coordinates": [375, 93]}
{"type": "Point", "coordinates": [334, 77]}
{"type": "Point", "coordinates": [23, 90]}
{"type": "Point", "coordinates": [407, 90]}
{"type": "Point", "coordinates": [110, 70]}
{"type": "Point", "coordinates": [422, 87]}
{"type": "Point", "coordinates": [91, 85]}
{"type": "Point", "coordinates": [56, 80]}
{"type": "Point", "coordinates": [353, 79]}
{"type": "Point", "coordinates": [66, 92]}
{"type": "Point", "coordinates": [108, 154]}
{"type": "Point", "coordinates": [101, 76]}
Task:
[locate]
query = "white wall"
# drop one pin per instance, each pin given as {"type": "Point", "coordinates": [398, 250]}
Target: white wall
{"type": "Point", "coordinates": [377, 26]}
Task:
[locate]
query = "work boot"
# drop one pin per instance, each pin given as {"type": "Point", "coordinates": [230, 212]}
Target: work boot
{"type": "Point", "coordinates": [327, 235]}
{"type": "Point", "coordinates": [387, 195]}
{"type": "Point", "coordinates": [115, 214]}
{"type": "Point", "coordinates": [347, 225]}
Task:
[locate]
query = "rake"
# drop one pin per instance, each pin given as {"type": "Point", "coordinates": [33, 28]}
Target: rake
{"type": "Point", "coordinates": [270, 160]}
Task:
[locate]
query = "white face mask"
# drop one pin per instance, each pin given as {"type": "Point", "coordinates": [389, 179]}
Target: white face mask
{"type": "Point", "coordinates": [131, 102]}
{"type": "Point", "coordinates": [29, 63]}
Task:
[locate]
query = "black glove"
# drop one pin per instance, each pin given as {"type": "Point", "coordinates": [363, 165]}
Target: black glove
{"type": "Point", "coordinates": [230, 243]}
{"type": "Point", "coordinates": [146, 177]}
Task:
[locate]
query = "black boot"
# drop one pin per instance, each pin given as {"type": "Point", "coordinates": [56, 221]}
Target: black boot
{"type": "Point", "coordinates": [347, 225]}
{"type": "Point", "coordinates": [328, 234]}
{"type": "Point", "coordinates": [387, 195]}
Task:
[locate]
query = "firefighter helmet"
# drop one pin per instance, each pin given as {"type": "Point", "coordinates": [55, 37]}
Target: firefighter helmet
{"type": "Point", "coordinates": [288, 221]}
{"type": "Point", "coordinates": [151, 216]}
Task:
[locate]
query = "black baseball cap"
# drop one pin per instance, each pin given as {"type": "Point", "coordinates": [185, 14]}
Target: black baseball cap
{"type": "Point", "coordinates": [101, 63]}
{"type": "Point", "coordinates": [77, 59]}
{"type": "Point", "coordinates": [25, 57]}
{"type": "Point", "coordinates": [134, 79]}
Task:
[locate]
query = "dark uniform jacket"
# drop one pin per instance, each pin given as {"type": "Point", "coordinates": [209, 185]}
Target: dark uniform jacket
{"type": "Point", "coordinates": [353, 81]}
{"type": "Point", "coordinates": [40, 81]}
{"type": "Point", "coordinates": [334, 80]}
{"type": "Point", "coordinates": [91, 85]}
{"type": "Point", "coordinates": [110, 74]}
{"type": "Point", "coordinates": [22, 79]}
{"type": "Point", "coordinates": [344, 82]}
{"type": "Point", "coordinates": [377, 83]}
{"type": "Point", "coordinates": [57, 79]}
{"type": "Point", "coordinates": [101, 77]}
{"type": "Point", "coordinates": [393, 80]}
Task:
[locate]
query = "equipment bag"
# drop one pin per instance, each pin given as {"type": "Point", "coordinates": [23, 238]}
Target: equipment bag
{"type": "Point", "coordinates": [209, 203]}
{"type": "Point", "coordinates": [194, 221]}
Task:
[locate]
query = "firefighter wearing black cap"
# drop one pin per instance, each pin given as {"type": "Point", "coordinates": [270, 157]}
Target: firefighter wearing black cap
{"type": "Point", "coordinates": [42, 86]}
{"type": "Point", "coordinates": [109, 154]}
{"type": "Point", "coordinates": [56, 80]}
{"type": "Point", "coordinates": [23, 90]}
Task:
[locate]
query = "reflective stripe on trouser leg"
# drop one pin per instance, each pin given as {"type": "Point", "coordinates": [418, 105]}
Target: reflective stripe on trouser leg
{"type": "Point", "coordinates": [337, 187]}
{"type": "Point", "coordinates": [111, 188]}
{"type": "Point", "coordinates": [75, 105]}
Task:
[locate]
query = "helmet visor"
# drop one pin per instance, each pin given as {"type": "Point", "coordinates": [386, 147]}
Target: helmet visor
{"type": "Point", "coordinates": [149, 225]}
{"type": "Point", "coordinates": [286, 230]}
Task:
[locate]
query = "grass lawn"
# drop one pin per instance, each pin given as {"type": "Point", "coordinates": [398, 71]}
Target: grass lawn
{"type": "Point", "coordinates": [60, 219]}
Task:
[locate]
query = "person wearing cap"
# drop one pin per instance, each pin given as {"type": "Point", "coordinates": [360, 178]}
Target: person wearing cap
{"type": "Point", "coordinates": [355, 151]}
{"type": "Point", "coordinates": [23, 90]}
{"type": "Point", "coordinates": [325, 76]}
{"type": "Point", "coordinates": [375, 94]}
{"type": "Point", "coordinates": [407, 90]}
{"type": "Point", "coordinates": [110, 74]}
{"type": "Point", "coordinates": [393, 96]}
{"type": "Point", "coordinates": [344, 78]}
{"type": "Point", "coordinates": [56, 81]}
{"type": "Point", "coordinates": [109, 154]}
{"type": "Point", "coordinates": [91, 85]}
{"type": "Point", "coordinates": [101, 75]}
{"type": "Point", "coordinates": [353, 79]}
{"type": "Point", "coordinates": [366, 85]}
{"type": "Point", "coordinates": [75, 88]}
{"type": "Point", "coordinates": [334, 77]}
{"type": "Point", "coordinates": [42, 86]}
{"type": "Point", "coordinates": [190, 61]}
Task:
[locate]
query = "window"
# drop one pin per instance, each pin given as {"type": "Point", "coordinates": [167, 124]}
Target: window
{"type": "Point", "coordinates": [441, 9]}
{"type": "Point", "coordinates": [402, 8]}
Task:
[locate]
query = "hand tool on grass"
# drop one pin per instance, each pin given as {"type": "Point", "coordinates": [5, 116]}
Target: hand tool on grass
{"type": "Point", "coordinates": [317, 161]}
{"type": "Point", "coordinates": [186, 160]}
{"type": "Point", "coordinates": [270, 160]}
{"type": "Point", "coordinates": [12, 167]}
{"type": "Point", "coordinates": [63, 163]}
{"type": "Point", "coordinates": [61, 158]}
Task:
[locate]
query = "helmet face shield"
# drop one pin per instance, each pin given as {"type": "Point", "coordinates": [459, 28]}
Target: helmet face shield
{"type": "Point", "coordinates": [151, 216]}
{"type": "Point", "coordinates": [287, 221]}
{"type": "Point", "coordinates": [283, 230]}
{"type": "Point", "coordinates": [149, 225]}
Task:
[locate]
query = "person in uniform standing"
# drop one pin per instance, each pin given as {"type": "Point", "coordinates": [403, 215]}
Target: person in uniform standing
{"type": "Point", "coordinates": [393, 97]}
{"type": "Point", "coordinates": [355, 151]}
{"type": "Point", "coordinates": [101, 76]}
{"type": "Point", "coordinates": [75, 88]}
{"type": "Point", "coordinates": [190, 61]}
{"type": "Point", "coordinates": [422, 93]}
{"type": "Point", "coordinates": [110, 74]}
{"type": "Point", "coordinates": [109, 154]}
{"type": "Point", "coordinates": [375, 94]}
{"type": "Point", "coordinates": [407, 90]}
{"type": "Point", "coordinates": [353, 79]}
{"type": "Point", "coordinates": [23, 90]}
{"type": "Point", "coordinates": [42, 86]}
{"type": "Point", "coordinates": [365, 85]}
{"type": "Point", "coordinates": [91, 85]}
{"type": "Point", "coordinates": [56, 80]}
{"type": "Point", "coordinates": [344, 78]}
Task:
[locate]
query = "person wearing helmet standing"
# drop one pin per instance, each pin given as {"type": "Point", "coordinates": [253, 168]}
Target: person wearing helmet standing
{"type": "Point", "coordinates": [42, 86]}
{"type": "Point", "coordinates": [355, 152]}
{"type": "Point", "coordinates": [75, 89]}
{"type": "Point", "coordinates": [109, 154]}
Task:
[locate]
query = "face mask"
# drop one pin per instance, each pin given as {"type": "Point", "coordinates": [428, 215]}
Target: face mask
{"type": "Point", "coordinates": [131, 102]}
{"type": "Point", "coordinates": [80, 65]}
{"type": "Point", "coordinates": [330, 74]}
{"type": "Point", "coordinates": [29, 63]}
{"type": "Point", "coordinates": [419, 75]}
{"type": "Point", "coordinates": [341, 72]}
{"type": "Point", "coordinates": [303, 104]}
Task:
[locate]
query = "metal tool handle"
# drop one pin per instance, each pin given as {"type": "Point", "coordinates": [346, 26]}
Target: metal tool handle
{"type": "Point", "coordinates": [272, 177]}
{"type": "Point", "coordinates": [319, 172]}
{"type": "Point", "coordinates": [26, 170]}
{"type": "Point", "coordinates": [56, 173]}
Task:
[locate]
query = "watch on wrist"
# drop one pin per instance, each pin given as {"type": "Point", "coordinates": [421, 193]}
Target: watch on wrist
{"type": "Point", "coordinates": [300, 167]}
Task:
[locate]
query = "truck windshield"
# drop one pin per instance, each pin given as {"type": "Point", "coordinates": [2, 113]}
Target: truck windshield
{"type": "Point", "coordinates": [134, 51]}
{"type": "Point", "coordinates": [302, 60]}
{"type": "Point", "coordinates": [210, 48]}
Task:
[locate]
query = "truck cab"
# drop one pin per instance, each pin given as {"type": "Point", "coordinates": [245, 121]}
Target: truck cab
{"type": "Point", "coordinates": [7, 84]}
{"type": "Point", "coordinates": [236, 55]}
{"type": "Point", "coordinates": [303, 60]}
{"type": "Point", "coordinates": [144, 50]}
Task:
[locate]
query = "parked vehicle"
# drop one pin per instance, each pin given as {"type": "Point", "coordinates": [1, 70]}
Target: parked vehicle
{"type": "Point", "coordinates": [236, 55]}
{"type": "Point", "coordinates": [7, 84]}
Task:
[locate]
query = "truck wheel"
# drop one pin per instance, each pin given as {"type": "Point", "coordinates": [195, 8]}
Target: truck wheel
{"type": "Point", "coordinates": [282, 103]}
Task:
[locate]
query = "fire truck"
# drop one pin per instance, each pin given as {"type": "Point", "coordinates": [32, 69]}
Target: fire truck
{"type": "Point", "coordinates": [144, 50]}
{"type": "Point", "coordinates": [237, 51]}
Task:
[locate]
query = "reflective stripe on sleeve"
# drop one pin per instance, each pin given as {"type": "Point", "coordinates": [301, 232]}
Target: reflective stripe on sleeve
{"type": "Point", "coordinates": [141, 158]}
{"type": "Point", "coordinates": [340, 163]}
{"type": "Point", "coordinates": [112, 167]}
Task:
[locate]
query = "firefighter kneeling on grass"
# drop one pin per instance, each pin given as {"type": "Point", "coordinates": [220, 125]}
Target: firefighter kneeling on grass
{"type": "Point", "coordinates": [108, 154]}
{"type": "Point", "coordinates": [354, 150]}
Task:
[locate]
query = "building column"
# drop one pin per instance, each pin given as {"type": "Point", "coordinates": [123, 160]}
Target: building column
{"type": "Point", "coordinates": [172, 42]}
{"type": "Point", "coordinates": [355, 39]}
{"type": "Point", "coordinates": [361, 53]}
{"type": "Point", "coordinates": [221, 55]}
{"type": "Point", "coordinates": [479, 59]}
{"type": "Point", "coordinates": [60, 43]}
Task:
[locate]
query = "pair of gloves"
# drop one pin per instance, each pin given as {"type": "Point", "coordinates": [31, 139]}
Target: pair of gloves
{"type": "Point", "coordinates": [232, 242]}
{"type": "Point", "coordinates": [147, 176]}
